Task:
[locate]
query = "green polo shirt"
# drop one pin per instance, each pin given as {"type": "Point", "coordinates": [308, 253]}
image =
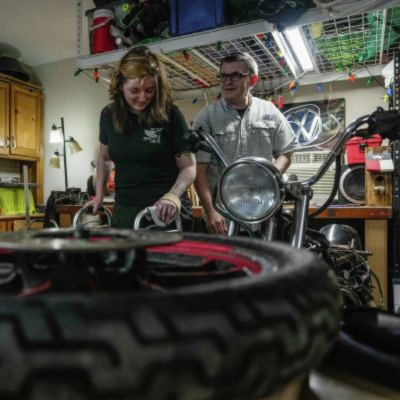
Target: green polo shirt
{"type": "Point", "coordinates": [144, 158]}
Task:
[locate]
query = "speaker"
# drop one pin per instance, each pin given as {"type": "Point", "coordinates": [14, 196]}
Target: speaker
{"type": "Point", "coordinates": [352, 184]}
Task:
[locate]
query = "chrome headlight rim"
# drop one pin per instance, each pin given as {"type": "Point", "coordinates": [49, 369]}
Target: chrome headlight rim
{"type": "Point", "coordinates": [278, 184]}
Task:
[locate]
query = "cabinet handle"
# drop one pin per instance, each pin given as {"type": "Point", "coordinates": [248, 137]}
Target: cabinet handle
{"type": "Point", "coordinates": [7, 143]}
{"type": "Point", "coordinates": [13, 142]}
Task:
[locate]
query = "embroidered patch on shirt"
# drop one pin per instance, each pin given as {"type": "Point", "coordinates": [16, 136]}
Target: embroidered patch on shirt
{"type": "Point", "coordinates": [153, 135]}
{"type": "Point", "coordinates": [267, 117]}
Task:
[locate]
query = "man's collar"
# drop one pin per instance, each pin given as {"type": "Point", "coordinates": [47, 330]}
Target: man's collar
{"type": "Point", "coordinates": [225, 104]}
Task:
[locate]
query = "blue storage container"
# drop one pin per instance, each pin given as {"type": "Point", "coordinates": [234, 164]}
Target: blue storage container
{"type": "Point", "coordinates": [188, 16]}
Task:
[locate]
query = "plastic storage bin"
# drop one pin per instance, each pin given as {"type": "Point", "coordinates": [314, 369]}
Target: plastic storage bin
{"type": "Point", "coordinates": [193, 16]}
{"type": "Point", "coordinates": [355, 148]}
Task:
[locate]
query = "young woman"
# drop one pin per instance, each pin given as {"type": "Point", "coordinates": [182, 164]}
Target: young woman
{"type": "Point", "coordinates": [141, 131]}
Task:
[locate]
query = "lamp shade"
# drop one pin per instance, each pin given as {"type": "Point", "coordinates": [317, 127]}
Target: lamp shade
{"type": "Point", "coordinates": [55, 160]}
{"type": "Point", "coordinates": [74, 146]}
{"type": "Point", "coordinates": [56, 135]}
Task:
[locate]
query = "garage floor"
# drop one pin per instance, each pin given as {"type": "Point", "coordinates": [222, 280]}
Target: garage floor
{"type": "Point", "coordinates": [333, 387]}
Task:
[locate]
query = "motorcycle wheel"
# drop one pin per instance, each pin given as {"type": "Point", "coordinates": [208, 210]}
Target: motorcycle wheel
{"type": "Point", "coordinates": [237, 338]}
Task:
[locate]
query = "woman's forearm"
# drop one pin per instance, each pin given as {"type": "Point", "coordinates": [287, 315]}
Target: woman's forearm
{"type": "Point", "coordinates": [187, 173]}
{"type": "Point", "coordinates": [183, 181]}
{"type": "Point", "coordinates": [100, 176]}
{"type": "Point", "coordinates": [101, 172]}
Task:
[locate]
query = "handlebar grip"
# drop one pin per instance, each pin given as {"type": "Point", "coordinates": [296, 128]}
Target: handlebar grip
{"type": "Point", "coordinates": [89, 209]}
{"type": "Point", "coordinates": [386, 123]}
{"type": "Point", "coordinates": [195, 142]}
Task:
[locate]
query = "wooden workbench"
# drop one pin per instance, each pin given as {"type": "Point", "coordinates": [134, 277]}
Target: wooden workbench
{"type": "Point", "coordinates": [7, 221]}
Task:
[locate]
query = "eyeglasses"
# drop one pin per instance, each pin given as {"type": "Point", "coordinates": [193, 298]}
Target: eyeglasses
{"type": "Point", "coordinates": [234, 76]}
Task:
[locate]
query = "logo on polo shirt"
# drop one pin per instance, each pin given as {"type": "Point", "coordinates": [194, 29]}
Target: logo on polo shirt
{"type": "Point", "coordinates": [153, 135]}
{"type": "Point", "coordinates": [267, 117]}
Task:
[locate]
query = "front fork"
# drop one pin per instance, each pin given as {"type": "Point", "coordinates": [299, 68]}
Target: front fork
{"type": "Point", "coordinates": [302, 201]}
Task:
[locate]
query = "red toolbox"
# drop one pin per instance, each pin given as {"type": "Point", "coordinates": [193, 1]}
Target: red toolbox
{"type": "Point", "coordinates": [355, 148]}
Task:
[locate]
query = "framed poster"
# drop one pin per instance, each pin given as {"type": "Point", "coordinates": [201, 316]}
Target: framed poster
{"type": "Point", "coordinates": [316, 124]}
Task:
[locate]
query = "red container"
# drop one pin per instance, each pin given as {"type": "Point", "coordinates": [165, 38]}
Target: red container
{"type": "Point", "coordinates": [102, 40]}
{"type": "Point", "coordinates": [355, 148]}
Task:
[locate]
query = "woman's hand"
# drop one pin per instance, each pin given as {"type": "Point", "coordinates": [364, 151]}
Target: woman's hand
{"type": "Point", "coordinates": [95, 203]}
{"type": "Point", "coordinates": [166, 210]}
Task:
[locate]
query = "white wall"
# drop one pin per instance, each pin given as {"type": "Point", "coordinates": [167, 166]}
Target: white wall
{"type": "Point", "coordinates": [79, 100]}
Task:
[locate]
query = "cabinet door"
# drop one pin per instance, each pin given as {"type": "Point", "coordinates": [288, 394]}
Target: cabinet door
{"type": "Point", "coordinates": [4, 117]}
{"type": "Point", "coordinates": [25, 121]}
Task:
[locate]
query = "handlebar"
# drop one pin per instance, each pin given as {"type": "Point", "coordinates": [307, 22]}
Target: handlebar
{"type": "Point", "coordinates": [386, 123]}
{"type": "Point", "coordinates": [199, 139]}
{"type": "Point", "coordinates": [89, 210]}
{"type": "Point", "coordinates": [150, 214]}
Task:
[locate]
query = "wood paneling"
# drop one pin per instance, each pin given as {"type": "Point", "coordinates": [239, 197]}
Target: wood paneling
{"type": "Point", "coordinates": [378, 185]}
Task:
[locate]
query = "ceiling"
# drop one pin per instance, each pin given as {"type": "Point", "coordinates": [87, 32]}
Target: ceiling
{"type": "Point", "coordinates": [44, 31]}
{"type": "Point", "coordinates": [38, 31]}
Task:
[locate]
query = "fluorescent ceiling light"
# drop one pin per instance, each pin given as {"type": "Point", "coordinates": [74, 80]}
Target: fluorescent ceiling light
{"type": "Point", "coordinates": [295, 50]}
{"type": "Point", "coordinates": [286, 52]}
{"type": "Point", "coordinates": [300, 48]}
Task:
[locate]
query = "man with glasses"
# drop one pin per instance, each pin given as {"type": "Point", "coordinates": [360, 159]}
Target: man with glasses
{"type": "Point", "coordinates": [243, 126]}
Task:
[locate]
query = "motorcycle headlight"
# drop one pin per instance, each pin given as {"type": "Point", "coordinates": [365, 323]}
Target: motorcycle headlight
{"type": "Point", "coordinates": [251, 189]}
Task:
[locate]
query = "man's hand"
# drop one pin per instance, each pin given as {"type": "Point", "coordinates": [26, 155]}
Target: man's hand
{"type": "Point", "coordinates": [216, 223]}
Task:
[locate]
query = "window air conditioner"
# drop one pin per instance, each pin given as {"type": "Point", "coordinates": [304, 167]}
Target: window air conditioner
{"type": "Point", "coordinates": [305, 164]}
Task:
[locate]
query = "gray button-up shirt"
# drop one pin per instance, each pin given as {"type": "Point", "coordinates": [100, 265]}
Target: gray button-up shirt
{"type": "Point", "coordinates": [263, 131]}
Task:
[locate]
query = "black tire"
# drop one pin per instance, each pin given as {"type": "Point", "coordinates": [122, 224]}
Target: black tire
{"type": "Point", "coordinates": [237, 339]}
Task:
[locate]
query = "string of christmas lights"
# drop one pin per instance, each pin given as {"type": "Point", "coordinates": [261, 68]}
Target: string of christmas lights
{"type": "Point", "coordinates": [291, 86]}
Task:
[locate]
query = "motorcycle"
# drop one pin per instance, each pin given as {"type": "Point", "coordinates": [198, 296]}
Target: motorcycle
{"type": "Point", "coordinates": [251, 192]}
{"type": "Point", "coordinates": [108, 313]}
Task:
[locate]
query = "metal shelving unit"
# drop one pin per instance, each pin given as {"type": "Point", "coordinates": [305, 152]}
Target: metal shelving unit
{"type": "Point", "coordinates": [17, 185]}
{"type": "Point", "coordinates": [394, 273]}
{"type": "Point", "coordinates": [363, 43]}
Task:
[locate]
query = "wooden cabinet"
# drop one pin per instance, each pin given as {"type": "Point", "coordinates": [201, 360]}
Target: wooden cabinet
{"type": "Point", "coordinates": [20, 120]}
{"type": "Point", "coordinates": [25, 121]}
{"type": "Point", "coordinates": [21, 128]}
{"type": "Point", "coordinates": [4, 117]}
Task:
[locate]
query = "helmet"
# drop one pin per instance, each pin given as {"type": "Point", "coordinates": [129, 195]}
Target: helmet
{"type": "Point", "coordinates": [11, 66]}
{"type": "Point", "coordinates": [342, 234]}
